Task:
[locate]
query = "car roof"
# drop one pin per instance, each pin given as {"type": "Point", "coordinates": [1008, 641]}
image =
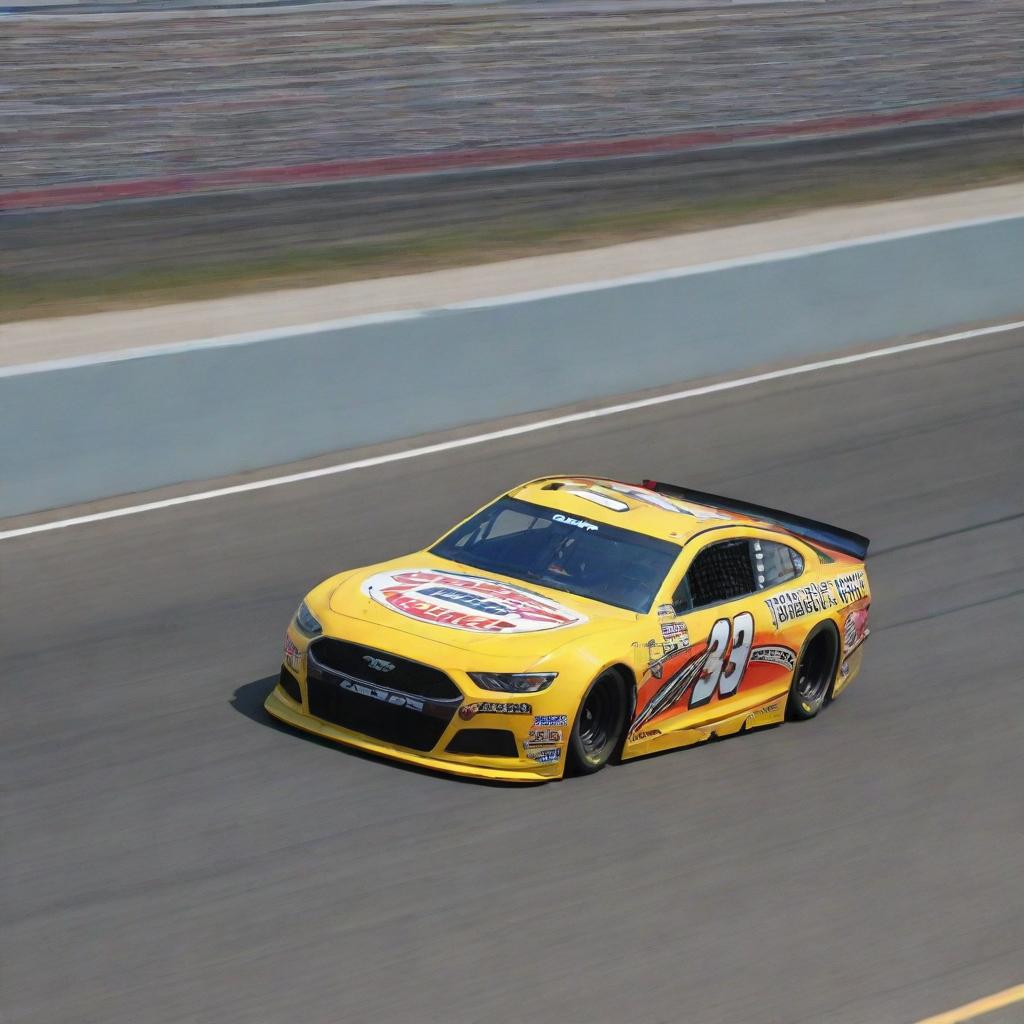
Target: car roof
{"type": "Point", "coordinates": [632, 506]}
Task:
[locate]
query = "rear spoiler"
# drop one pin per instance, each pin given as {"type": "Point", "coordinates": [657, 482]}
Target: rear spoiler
{"type": "Point", "coordinates": [810, 529]}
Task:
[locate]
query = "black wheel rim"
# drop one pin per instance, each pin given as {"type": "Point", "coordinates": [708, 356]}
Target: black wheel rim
{"type": "Point", "coordinates": [815, 669]}
{"type": "Point", "coordinates": [599, 717]}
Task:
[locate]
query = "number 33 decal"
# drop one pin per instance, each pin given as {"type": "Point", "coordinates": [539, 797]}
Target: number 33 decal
{"type": "Point", "coordinates": [727, 656]}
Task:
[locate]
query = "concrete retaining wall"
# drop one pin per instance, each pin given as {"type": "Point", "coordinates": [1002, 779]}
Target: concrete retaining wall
{"type": "Point", "coordinates": [70, 433]}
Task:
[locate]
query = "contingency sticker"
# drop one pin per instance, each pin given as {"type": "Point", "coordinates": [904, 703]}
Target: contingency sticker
{"type": "Point", "coordinates": [675, 633]}
{"type": "Point", "coordinates": [470, 603]}
{"type": "Point", "coordinates": [292, 655]}
{"type": "Point", "coordinates": [549, 720]}
{"type": "Point", "coordinates": [545, 756]}
{"type": "Point", "coordinates": [490, 707]}
{"type": "Point", "coordinates": [775, 655]}
{"type": "Point", "coordinates": [855, 630]}
{"type": "Point", "coordinates": [543, 737]}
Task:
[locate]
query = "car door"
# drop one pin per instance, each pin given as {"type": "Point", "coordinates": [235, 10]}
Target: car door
{"type": "Point", "coordinates": [714, 598]}
{"type": "Point", "coordinates": [727, 627]}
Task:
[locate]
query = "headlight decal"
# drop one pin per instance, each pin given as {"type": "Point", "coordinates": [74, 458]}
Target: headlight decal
{"type": "Point", "coordinates": [514, 682]}
{"type": "Point", "coordinates": [306, 622]}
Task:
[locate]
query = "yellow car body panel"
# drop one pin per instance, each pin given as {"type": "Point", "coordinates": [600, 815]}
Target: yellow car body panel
{"type": "Point", "coordinates": [689, 674]}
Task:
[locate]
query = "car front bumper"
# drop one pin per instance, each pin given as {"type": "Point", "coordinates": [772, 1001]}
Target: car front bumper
{"type": "Point", "coordinates": [518, 768]}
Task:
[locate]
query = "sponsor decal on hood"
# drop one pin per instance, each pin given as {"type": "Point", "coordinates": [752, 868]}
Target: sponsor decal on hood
{"type": "Point", "coordinates": [473, 604]}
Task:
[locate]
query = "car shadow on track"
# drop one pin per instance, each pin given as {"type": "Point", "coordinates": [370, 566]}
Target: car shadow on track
{"type": "Point", "coordinates": [248, 700]}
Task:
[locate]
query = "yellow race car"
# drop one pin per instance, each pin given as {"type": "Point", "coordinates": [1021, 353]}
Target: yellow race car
{"type": "Point", "coordinates": [577, 620]}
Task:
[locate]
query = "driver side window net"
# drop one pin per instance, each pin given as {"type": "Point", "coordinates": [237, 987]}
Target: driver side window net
{"type": "Point", "coordinates": [721, 572]}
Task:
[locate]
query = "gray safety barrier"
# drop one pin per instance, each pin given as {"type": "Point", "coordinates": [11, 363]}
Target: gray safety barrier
{"type": "Point", "coordinates": [71, 433]}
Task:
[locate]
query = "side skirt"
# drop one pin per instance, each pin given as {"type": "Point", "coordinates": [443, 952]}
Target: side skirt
{"type": "Point", "coordinates": [653, 740]}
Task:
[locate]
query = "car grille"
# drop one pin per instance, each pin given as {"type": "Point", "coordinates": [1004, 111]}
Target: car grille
{"type": "Point", "coordinates": [379, 694]}
{"type": "Point", "coordinates": [372, 717]}
{"type": "Point", "coordinates": [406, 676]}
{"type": "Point", "coordinates": [484, 742]}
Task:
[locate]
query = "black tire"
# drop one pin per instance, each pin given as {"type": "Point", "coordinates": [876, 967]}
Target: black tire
{"type": "Point", "coordinates": [600, 723]}
{"type": "Point", "coordinates": [815, 673]}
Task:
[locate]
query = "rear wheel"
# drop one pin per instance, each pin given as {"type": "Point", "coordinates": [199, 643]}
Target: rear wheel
{"type": "Point", "coordinates": [597, 731]}
{"type": "Point", "coordinates": [815, 673]}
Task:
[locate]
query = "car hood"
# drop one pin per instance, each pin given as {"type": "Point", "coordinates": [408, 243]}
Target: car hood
{"type": "Point", "coordinates": [467, 609]}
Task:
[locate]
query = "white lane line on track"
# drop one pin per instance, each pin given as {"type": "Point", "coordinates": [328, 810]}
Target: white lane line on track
{"type": "Point", "coordinates": [536, 295]}
{"type": "Point", "coordinates": [525, 428]}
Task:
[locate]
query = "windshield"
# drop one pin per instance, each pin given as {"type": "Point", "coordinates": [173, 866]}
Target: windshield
{"type": "Point", "coordinates": [530, 542]}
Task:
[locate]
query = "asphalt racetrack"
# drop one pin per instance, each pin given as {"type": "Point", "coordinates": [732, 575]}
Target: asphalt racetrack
{"type": "Point", "coordinates": [170, 855]}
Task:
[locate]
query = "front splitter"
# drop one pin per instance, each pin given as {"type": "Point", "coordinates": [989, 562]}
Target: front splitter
{"type": "Point", "coordinates": [285, 711]}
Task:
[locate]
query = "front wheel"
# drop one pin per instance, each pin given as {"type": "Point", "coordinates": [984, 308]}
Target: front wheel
{"type": "Point", "coordinates": [599, 724]}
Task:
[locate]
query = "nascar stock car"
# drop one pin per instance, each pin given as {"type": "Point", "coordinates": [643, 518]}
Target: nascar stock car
{"type": "Point", "coordinates": [575, 620]}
